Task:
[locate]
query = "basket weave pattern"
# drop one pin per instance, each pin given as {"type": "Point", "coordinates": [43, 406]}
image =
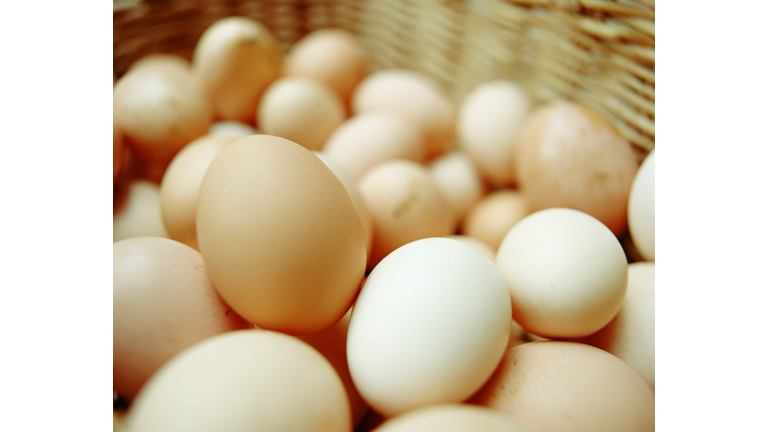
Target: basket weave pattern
{"type": "Point", "coordinates": [596, 52]}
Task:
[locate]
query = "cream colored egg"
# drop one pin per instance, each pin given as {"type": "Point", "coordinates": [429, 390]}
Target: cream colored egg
{"type": "Point", "coordinates": [488, 122]}
{"type": "Point", "coordinates": [369, 138]}
{"type": "Point", "coordinates": [244, 381]}
{"type": "Point", "coordinates": [492, 216]}
{"type": "Point", "coordinates": [414, 96]}
{"type": "Point", "coordinates": [236, 58]}
{"type": "Point", "coordinates": [333, 56]}
{"type": "Point", "coordinates": [457, 178]}
{"type": "Point", "coordinates": [350, 184]}
{"type": "Point", "coordinates": [181, 185]}
{"type": "Point", "coordinates": [641, 208]}
{"type": "Point", "coordinates": [231, 128]}
{"type": "Point", "coordinates": [161, 109]}
{"type": "Point", "coordinates": [137, 211]}
{"type": "Point", "coordinates": [430, 326]}
{"type": "Point", "coordinates": [631, 334]}
{"type": "Point", "coordinates": [566, 272]}
{"type": "Point", "coordinates": [280, 235]}
{"type": "Point", "coordinates": [163, 302]}
{"type": "Point", "coordinates": [559, 386]}
{"type": "Point", "coordinates": [451, 418]}
{"type": "Point", "coordinates": [405, 204]}
{"type": "Point", "coordinates": [300, 109]}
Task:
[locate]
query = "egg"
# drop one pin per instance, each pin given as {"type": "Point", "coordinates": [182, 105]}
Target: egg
{"type": "Point", "coordinates": [181, 184]}
{"type": "Point", "coordinates": [489, 119]}
{"type": "Point", "coordinates": [244, 381]}
{"type": "Point", "coordinates": [641, 208]}
{"type": "Point", "coordinates": [555, 386]}
{"type": "Point", "coordinates": [429, 326]}
{"type": "Point", "coordinates": [566, 272]}
{"type": "Point", "coordinates": [570, 156]}
{"type": "Point", "coordinates": [491, 217]}
{"type": "Point", "coordinates": [413, 95]}
{"type": "Point", "coordinates": [332, 343]}
{"type": "Point", "coordinates": [280, 235]}
{"type": "Point", "coordinates": [118, 150]}
{"type": "Point", "coordinates": [236, 58]}
{"type": "Point", "coordinates": [451, 418]}
{"type": "Point", "coordinates": [458, 180]}
{"type": "Point", "coordinates": [136, 211]}
{"type": "Point", "coordinates": [405, 204]}
{"type": "Point", "coordinates": [162, 61]}
{"type": "Point", "coordinates": [333, 56]}
{"type": "Point", "coordinates": [370, 138]}
{"type": "Point", "coordinates": [231, 128]}
{"type": "Point", "coordinates": [161, 109]}
{"type": "Point", "coordinates": [631, 334]}
{"type": "Point", "coordinates": [163, 302]}
{"type": "Point", "coordinates": [300, 109]}
{"type": "Point", "coordinates": [477, 244]}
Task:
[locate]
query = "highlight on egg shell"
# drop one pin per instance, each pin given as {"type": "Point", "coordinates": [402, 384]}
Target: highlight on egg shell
{"type": "Point", "coordinates": [280, 235]}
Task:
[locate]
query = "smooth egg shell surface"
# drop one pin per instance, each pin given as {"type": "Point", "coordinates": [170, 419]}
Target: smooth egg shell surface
{"type": "Point", "coordinates": [451, 418]}
{"type": "Point", "coordinates": [282, 239]}
{"type": "Point", "coordinates": [244, 381]}
{"type": "Point", "coordinates": [559, 386]}
{"type": "Point", "coordinates": [492, 216]}
{"type": "Point", "coordinates": [566, 272]}
{"type": "Point", "coordinates": [631, 334]}
{"type": "Point", "coordinates": [641, 209]}
{"type": "Point", "coordinates": [137, 211]}
{"type": "Point", "coordinates": [458, 180]}
{"type": "Point", "coordinates": [429, 326]}
{"type": "Point", "coordinates": [163, 302]}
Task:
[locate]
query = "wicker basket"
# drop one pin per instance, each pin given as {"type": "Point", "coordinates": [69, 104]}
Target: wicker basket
{"type": "Point", "coordinates": [597, 52]}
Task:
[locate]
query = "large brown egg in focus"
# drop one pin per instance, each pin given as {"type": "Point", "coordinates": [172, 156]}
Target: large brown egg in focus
{"type": "Point", "coordinates": [569, 156]}
{"type": "Point", "coordinates": [280, 235]}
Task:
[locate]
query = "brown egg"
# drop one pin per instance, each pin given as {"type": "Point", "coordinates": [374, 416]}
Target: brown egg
{"type": "Point", "coordinates": [405, 204]}
{"type": "Point", "coordinates": [280, 235]}
{"type": "Point", "coordinates": [332, 343]}
{"type": "Point", "coordinates": [451, 418]}
{"type": "Point", "coordinates": [556, 386]}
{"type": "Point", "coordinates": [493, 215]}
{"type": "Point", "coordinates": [181, 185]}
{"type": "Point", "coordinates": [630, 335]}
{"type": "Point", "coordinates": [300, 109]}
{"type": "Point", "coordinates": [162, 60]}
{"type": "Point", "coordinates": [249, 380]}
{"type": "Point", "coordinates": [161, 109]}
{"type": "Point", "coordinates": [369, 138]}
{"type": "Point", "coordinates": [137, 211]}
{"type": "Point", "coordinates": [330, 55]}
{"type": "Point", "coordinates": [414, 96]}
{"type": "Point", "coordinates": [235, 59]}
{"type": "Point", "coordinates": [569, 156]}
{"type": "Point", "coordinates": [163, 302]}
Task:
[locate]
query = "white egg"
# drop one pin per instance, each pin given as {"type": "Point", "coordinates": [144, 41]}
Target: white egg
{"type": "Point", "coordinates": [641, 208]}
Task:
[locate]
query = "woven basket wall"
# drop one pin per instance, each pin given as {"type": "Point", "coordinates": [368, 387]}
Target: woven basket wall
{"type": "Point", "coordinates": [597, 52]}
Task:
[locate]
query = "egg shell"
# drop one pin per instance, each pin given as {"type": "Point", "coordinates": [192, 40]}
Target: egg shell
{"type": "Point", "coordinates": [332, 343]}
{"type": "Point", "coordinates": [300, 109]}
{"type": "Point", "coordinates": [333, 56]}
{"type": "Point", "coordinates": [236, 58]}
{"type": "Point", "coordinates": [414, 96]}
{"type": "Point", "coordinates": [429, 326]}
{"type": "Point", "coordinates": [641, 208]}
{"type": "Point", "coordinates": [231, 128]}
{"type": "Point", "coordinates": [451, 418]}
{"type": "Point", "coordinates": [136, 211]}
{"type": "Point", "coordinates": [405, 204]}
{"type": "Point", "coordinates": [631, 334]}
{"type": "Point", "coordinates": [160, 110]}
{"type": "Point", "coordinates": [458, 180]}
{"type": "Point", "coordinates": [370, 138]}
{"type": "Point", "coordinates": [280, 235]}
{"type": "Point", "coordinates": [489, 119]}
{"type": "Point", "coordinates": [162, 61]}
{"type": "Point", "coordinates": [566, 273]}
{"type": "Point", "coordinates": [181, 185]}
{"type": "Point", "coordinates": [560, 386]}
{"type": "Point", "coordinates": [477, 244]}
{"type": "Point", "coordinates": [163, 303]}
{"type": "Point", "coordinates": [491, 217]}
{"type": "Point", "coordinates": [244, 381]}
{"type": "Point", "coordinates": [570, 156]}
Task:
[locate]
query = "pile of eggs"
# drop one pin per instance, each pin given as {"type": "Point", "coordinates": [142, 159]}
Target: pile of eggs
{"type": "Point", "coordinates": [301, 243]}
